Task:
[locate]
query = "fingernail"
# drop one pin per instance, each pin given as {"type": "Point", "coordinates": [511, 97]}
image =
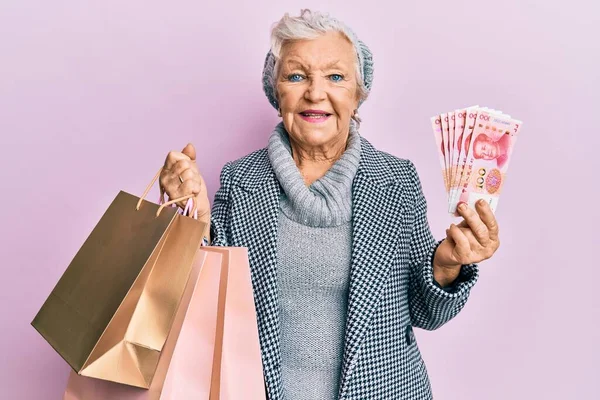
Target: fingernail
{"type": "Point", "coordinates": [462, 206]}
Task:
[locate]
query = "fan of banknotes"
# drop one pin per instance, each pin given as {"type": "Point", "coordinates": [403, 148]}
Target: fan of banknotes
{"type": "Point", "coordinates": [474, 146]}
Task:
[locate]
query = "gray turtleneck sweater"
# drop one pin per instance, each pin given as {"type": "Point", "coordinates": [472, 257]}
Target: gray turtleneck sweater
{"type": "Point", "coordinates": [314, 252]}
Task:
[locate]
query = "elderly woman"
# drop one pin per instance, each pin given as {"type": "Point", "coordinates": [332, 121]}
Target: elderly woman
{"type": "Point", "coordinates": [342, 258]}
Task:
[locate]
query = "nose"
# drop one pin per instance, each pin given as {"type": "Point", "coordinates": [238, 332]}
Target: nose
{"type": "Point", "coordinates": [315, 92]}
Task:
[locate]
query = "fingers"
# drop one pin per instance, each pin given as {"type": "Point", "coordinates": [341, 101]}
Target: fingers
{"type": "Point", "coordinates": [177, 183]}
{"type": "Point", "coordinates": [487, 217]}
{"type": "Point", "coordinates": [472, 219]}
{"type": "Point", "coordinates": [180, 176]}
{"type": "Point", "coordinates": [173, 157]}
{"type": "Point", "coordinates": [462, 247]}
{"type": "Point", "coordinates": [190, 151]}
{"type": "Point", "coordinates": [189, 187]}
{"type": "Point", "coordinates": [181, 166]}
{"type": "Point", "coordinates": [185, 170]}
{"type": "Point", "coordinates": [169, 182]}
{"type": "Point", "coordinates": [176, 189]}
{"type": "Point", "coordinates": [187, 175]}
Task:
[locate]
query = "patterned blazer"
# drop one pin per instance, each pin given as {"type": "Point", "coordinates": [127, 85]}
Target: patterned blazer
{"type": "Point", "coordinates": [391, 280]}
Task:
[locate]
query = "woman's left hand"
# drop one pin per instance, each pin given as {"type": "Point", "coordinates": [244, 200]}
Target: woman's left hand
{"type": "Point", "coordinates": [471, 241]}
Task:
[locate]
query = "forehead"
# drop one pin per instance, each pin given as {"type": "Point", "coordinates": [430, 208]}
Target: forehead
{"type": "Point", "coordinates": [327, 50]}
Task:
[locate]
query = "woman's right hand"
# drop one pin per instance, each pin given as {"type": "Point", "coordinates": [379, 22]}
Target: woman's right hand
{"type": "Point", "coordinates": [180, 177]}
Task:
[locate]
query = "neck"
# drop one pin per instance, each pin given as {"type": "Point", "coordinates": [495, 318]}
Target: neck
{"type": "Point", "coordinates": [313, 163]}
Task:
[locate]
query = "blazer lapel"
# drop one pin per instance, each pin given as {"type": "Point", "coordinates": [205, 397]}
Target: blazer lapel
{"type": "Point", "coordinates": [377, 208]}
{"type": "Point", "coordinates": [255, 207]}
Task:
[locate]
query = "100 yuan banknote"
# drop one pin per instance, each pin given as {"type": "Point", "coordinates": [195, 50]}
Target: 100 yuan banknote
{"type": "Point", "coordinates": [436, 125]}
{"type": "Point", "coordinates": [460, 177]}
{"type": "Point", "coordinates": [489, 151]}
{"type": "Point", "coordinates": [465, 126]}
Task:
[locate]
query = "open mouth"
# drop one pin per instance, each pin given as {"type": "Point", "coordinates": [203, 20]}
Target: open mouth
{"type": "Point", "coordinates": [314, 116]}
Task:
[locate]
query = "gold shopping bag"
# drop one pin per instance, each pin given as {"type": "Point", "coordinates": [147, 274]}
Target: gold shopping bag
{"type": "Point", "coordinates": [213, 349]}
{"type": "Point", "coordinates": [111, 312]}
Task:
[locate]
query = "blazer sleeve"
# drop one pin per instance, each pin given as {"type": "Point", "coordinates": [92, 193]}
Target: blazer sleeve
{"type": "Point", "coordinates": [221, 209]}
{"type": "Point", "coordinates": [430, 305]}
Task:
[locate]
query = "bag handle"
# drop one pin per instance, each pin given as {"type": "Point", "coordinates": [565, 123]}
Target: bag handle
{"type": "Point", "coordinates": [168, 203]}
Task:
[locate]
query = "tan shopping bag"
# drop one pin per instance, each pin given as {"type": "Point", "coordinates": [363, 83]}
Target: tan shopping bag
{"type": "Point", "coordinates": [212, 351]}
{"type": "Point", "coordinates": [111, 311]}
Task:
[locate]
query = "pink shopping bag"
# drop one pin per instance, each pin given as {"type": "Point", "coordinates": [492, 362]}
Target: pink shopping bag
{"type": "Point", "coordinates": [212, 351]}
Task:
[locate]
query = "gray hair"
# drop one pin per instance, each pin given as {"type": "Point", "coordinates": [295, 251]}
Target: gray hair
{"type": "Point", "coordinates": [310, 25]}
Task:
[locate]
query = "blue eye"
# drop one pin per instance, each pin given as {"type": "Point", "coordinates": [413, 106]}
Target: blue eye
{"type": "Point", "coordinates": [336, 77]}
{"type": "Point", "coordinates": [295, 78]}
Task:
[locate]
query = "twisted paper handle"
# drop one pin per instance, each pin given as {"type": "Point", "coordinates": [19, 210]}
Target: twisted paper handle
{"type": "Point", "coordinates": [190, 199]}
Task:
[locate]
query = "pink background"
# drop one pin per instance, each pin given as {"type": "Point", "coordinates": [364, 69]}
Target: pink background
{"type": "Point", "coordinates": [94, 94]}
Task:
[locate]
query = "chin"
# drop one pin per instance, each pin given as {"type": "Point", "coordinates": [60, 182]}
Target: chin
{"type": "Point", "coordinates": [317, 132]}
{"type": "Point", "coordinates": [317, 137]}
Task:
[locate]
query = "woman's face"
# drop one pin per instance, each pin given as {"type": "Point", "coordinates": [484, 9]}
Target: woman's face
{"type": "Point", "coordinates": [317, 89]}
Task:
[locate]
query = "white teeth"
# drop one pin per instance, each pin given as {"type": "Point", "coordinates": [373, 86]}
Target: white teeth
{"type": "Point", "coordinates": [315, 115]}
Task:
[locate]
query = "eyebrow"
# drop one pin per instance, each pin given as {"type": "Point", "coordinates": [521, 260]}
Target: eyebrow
{"type": "Point", "coordinates": [328, 66]}
{"type": "Point", "coordinates": [294, 62]}
{"type": "Point", "coordinates": [332, 64]}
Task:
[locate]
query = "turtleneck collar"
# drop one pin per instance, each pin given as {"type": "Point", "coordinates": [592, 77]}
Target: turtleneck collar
{"type": "Point", "coordinates": [328, 201]}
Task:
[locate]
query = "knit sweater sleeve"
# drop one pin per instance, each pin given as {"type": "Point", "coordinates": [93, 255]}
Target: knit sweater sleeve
{"type": "Point", "coordinates": [221, 209]}
{"type": "Point", "coordinates": [430, 305]}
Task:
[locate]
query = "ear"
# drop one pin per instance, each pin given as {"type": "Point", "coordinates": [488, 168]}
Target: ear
{"type": "Point", "coordinates": [357, 97]}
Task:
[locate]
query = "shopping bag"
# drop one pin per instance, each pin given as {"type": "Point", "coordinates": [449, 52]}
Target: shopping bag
{"type": "Point", "coordinates": [212, 351]}
{"type": "Point", "coordinates": [111, 311]}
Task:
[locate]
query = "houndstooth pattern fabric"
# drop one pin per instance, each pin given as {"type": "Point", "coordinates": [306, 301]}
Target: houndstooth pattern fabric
{"type": "Point", "coordinates": [391, 280]}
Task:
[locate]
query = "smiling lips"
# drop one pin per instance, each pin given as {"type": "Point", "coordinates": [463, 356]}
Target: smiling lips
{"type": "Point", "coordinates": [315, 116]}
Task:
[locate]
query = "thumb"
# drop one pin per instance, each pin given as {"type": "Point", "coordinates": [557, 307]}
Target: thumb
{"type": "Point", "coordinates": [189, 151]}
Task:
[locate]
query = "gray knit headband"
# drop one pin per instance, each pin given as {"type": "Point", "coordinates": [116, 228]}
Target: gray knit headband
{"type": "Point", "coordinates": [365, 61]}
